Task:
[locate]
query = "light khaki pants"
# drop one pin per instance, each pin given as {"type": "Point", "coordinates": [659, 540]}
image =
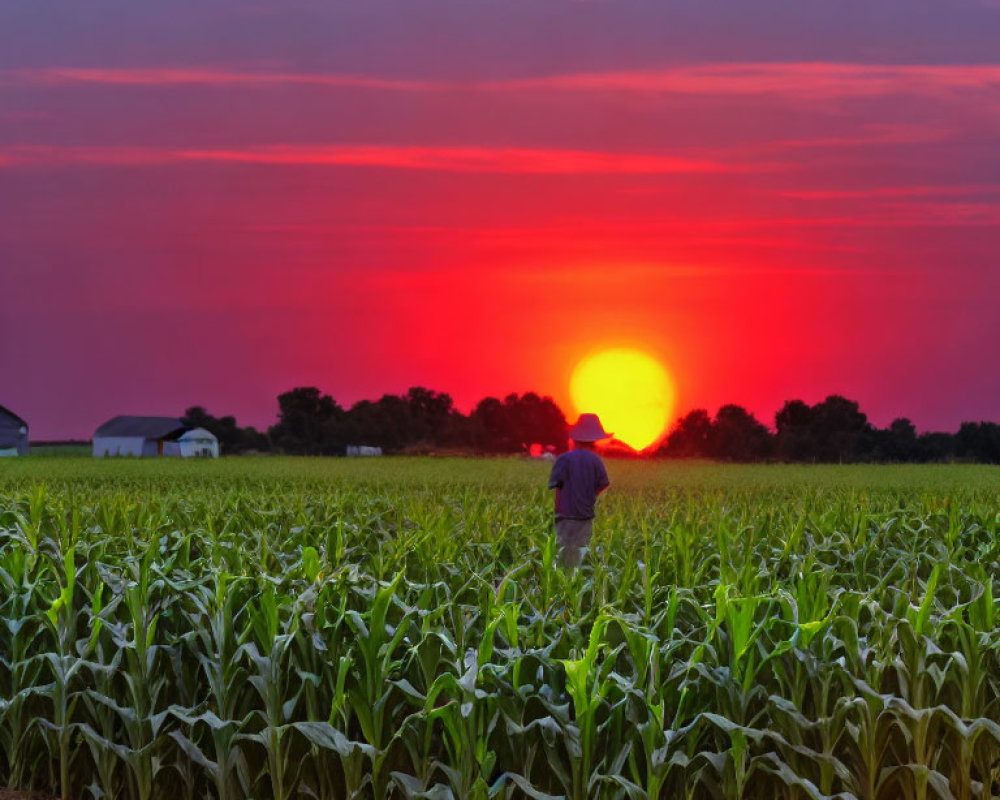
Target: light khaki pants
{"type": "Point", "coordinates": [572, 534]}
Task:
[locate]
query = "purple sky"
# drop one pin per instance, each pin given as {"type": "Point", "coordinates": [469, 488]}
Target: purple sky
{"type": "Point", "coordinates": [212, 202]}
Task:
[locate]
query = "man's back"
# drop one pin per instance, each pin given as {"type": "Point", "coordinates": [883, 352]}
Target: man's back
{"type": "Point", "coordinates": [579, 475]}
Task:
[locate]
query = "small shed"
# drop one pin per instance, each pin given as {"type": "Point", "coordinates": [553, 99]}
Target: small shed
{"type": "Point", "coordinates": [136, 436]}
{"type": "Point", "coordinates": [13, 434]}
{"type": "Point", "coordinates": [198, 443]}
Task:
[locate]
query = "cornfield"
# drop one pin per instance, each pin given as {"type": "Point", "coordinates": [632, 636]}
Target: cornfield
{"type": "Point", "coordinates": [288, 629]}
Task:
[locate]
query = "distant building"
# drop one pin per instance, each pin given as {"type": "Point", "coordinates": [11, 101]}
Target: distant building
{"type": "Point", "coordinates": [13, 434]}
{"type": "Point", "coordinates": [198, 443]}
{"type": "Point", "coordinates": [153, 436]}
{"type": "Point", "coordinates": [363, 450]}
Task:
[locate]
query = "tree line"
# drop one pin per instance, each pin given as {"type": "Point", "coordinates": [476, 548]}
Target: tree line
{"type": "Point", "coordinates": [834, 430]}
{"type": "Point", "coordinates": [421, 420]}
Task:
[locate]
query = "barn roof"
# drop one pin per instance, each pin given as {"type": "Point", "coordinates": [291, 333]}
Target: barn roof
{"type": "Point", "coordinates": [146, 427]}
{"type": "Point", "coordinates": [8, 416]}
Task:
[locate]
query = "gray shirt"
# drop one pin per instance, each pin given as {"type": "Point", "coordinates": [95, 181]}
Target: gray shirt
{"type": "Point", "coordinates": [579, 475]}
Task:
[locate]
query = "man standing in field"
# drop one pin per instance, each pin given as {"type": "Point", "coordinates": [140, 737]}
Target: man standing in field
{"type": "Point", "coordinates": [578, 476]}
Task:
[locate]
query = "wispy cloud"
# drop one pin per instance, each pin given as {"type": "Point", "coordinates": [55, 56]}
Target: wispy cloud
{"type": "Point", "coordinates": [804, 80]}
{"type": "Point", "coordinates": [882, 192]}
{"type": "Point", "coordinates": [60, 156]}
{"type": "Point", "coordinates": [185, 76]}
{"type": "Point", "coordinates": [810, 80]}
{"type": "Point", "coordinates": [512, 160]}
{"type": "Point", "coordinates": [943, 214]}
{"type": "Point", "coordinates": [872, 135]}
{"type": "Point", "coordinates": [672, 234]}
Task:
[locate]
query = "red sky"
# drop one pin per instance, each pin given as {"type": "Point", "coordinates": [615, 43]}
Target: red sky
{"type": "Point", "coordinates": [213, 202]}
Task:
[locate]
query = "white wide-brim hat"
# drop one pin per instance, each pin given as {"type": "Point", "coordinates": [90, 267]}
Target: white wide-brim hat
{"type": "Point", "coordinates": [588, 429]}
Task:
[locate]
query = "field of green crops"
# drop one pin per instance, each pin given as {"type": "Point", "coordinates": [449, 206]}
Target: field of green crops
{"type": "Point", "coordinates": [278, 628]}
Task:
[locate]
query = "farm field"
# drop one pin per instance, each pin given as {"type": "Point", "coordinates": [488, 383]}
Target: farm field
{"type": "Point", "coordinates": [291, 628]}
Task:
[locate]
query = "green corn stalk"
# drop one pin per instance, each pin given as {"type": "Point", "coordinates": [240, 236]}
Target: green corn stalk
{"type": "Point", "coordinates": [221, 660]}
{"type": "Point", "coordinates": [273, 633]}
{"type": "Point", "coordinates": [100, 719]}
{"type": "Point", "coordinates": [369, 688]}
{"type": "Point", "coordinates": [61, 621]}
{"type": "Point", "coordinates": [140, 712]}
{"type": "Point", "coordinates": [587, 684]}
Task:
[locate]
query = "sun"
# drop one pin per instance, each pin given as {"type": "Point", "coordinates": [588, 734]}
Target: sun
{"type": "Point", "coordinates": [629, 390]}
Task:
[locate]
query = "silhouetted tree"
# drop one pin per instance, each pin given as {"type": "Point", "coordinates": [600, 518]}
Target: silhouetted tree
{"type": "Point", "coordinates": [309, 423]}
{"type": "Point", "coordinates": [936, 447]}
{"type": "Point", "coordinates": [794, 437]}
{"type": "Point", "coordinates": [736, 435]}
{"type": "Point", "coordinates": [840, 430]}
{"type": "Point", "coordinates": [979, 441]}
{"type": "Point", "coordinates": [506, 427]}
{"type": "Point", "coordinates": [834, 430]}
{"type": "Point", "coordinates": [430, 416]}
{"type": "Point", "coordinates": [384, 423]}
{"type": "Point", "coordinates": [489, 428]}
{"type": "Point", "coordinates": [689, 438]}
{"type": "Point", "coordinates": [898, 442]}
{"type": "Point", "coordinates": [535, 419]}
{"type": "Point", "coordinates": [421, 419]}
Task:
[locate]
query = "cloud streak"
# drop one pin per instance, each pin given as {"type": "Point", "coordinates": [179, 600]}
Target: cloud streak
{"type": "Point", "coordinates": [806, 80]}
{"type": "Point", "coordinates": [679, 231]}
{"type": "Point", "coordinates": [204, 77]}
{"type": "Point", "coordinates": [802, 80]}
{"type": "Point", "coordinates": [880, 192]}
{"type": "Point", "coordinates": [507, 160]}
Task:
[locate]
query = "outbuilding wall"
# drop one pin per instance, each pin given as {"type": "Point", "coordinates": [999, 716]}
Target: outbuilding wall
{"type": "Point", "coordinates": [13, 435]}
{"type": "Point", "coordinates": [121, 446]}
{"type": "Point", "coordinates": [195, 449]}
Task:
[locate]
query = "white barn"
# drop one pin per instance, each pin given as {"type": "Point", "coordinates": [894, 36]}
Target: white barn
{"type": "Point", "coordinates": [152, 436]}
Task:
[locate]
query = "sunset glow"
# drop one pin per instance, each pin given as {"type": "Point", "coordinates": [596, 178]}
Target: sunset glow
{"type": "Point", "coordinates": [629, 390]}
{"type": "Point", "coordinates": [776, 200]}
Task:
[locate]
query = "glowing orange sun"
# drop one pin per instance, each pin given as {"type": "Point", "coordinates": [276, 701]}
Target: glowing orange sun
{"type": "Point", "coordinates": [629, 390]}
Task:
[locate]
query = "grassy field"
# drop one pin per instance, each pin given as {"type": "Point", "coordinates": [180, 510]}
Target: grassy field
{"type": "Point", "coordinates": [278, 628]}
